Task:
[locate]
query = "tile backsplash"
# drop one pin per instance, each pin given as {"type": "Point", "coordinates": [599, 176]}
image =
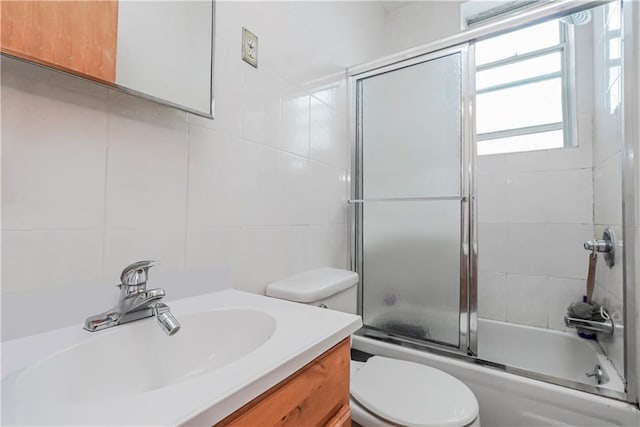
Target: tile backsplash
{"type": "Point", "coordinates": [94, 179]}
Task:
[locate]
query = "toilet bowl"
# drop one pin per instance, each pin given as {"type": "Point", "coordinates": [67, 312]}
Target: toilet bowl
{"type": "Point", "coordinates": [389, 392]}
{"type": "Point", "coordinates": [384, 391]}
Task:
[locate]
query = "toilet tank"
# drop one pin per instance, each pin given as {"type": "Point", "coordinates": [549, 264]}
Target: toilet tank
{"type": "Point", "coordinates": [331, 287]}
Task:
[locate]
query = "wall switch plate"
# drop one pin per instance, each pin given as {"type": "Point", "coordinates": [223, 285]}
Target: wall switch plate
{"type": "Point", "coordinates": [249, 47]}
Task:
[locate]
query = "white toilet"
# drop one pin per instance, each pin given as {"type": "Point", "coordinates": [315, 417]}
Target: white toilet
{"type": "Point", "coordinates": [384, 391]}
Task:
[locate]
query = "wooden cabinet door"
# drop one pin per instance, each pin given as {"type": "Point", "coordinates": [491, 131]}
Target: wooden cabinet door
{"type": "Point", "coordinates": [316, 395]}
{"type": "Point", "coordinates": [341, 419]}
{"type": "Point", "coordinates": [77, 36]}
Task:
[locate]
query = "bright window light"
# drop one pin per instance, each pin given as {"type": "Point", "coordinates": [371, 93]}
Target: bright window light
{"type": "Point", "coordinates": [519, 106]}
{"type": "Point", "coordinates": [613, 55]}
{"type": "Point", "coordinates": [530, 142]}
{"type": "Point", "coordinates": [518, 42]}
{"type": "Point", "coordinates": [521, 70]}
{"type": "Point", "coordinates": [521, 90]}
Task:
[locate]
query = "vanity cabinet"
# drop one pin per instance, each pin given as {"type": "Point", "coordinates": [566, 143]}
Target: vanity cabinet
{"type": "Point", "coordinates": [316, 395]}
{"type": "Point", "coordinates": [75, 36]}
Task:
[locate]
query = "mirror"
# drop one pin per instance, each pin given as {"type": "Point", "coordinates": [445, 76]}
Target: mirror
{"type": "Point", "coordinates": [158, 50]}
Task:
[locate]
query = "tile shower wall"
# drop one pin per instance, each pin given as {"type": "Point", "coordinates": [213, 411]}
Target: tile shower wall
{"type": "Point", "coordinates": [534, 211]}
{"type": "Point", "coordinates": [94, 179]}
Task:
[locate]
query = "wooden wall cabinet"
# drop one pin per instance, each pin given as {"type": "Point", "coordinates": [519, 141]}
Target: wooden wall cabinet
{"type": "Point", "coordinates": [77, 36]}
{"type": "Point", "coordinates": [155, 49]}
{"type": "Point", "coordinates": [316, 395]}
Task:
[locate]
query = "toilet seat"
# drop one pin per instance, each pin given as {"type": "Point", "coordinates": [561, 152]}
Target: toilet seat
{"type": "Point", "coordinates": [411, 394]}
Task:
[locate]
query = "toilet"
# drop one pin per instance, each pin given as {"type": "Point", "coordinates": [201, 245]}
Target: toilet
{"type": "Point", "coordinates": [384, 391]}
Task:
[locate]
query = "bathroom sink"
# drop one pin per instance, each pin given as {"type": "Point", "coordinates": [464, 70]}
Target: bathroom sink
{"type": "Point", "coordinates": [232, 347]}
{"type": "Point", "coordinates": [138, 357]}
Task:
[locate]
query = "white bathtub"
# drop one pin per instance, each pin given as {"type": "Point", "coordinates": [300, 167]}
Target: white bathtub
{"type": "Point", "coordinates": [513, 400]}
{"type": "Point", "coordinates": [558, 354]}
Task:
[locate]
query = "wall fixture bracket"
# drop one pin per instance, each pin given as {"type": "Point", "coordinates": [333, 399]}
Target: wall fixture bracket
{"type": "Point", "coordinates": [606, 245]}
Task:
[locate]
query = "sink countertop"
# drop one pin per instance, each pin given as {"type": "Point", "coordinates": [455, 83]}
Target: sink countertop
{"type": "Point", "coordinates": [302, 333]}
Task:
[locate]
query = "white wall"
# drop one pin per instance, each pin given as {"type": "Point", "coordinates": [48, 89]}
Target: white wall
{"type": "Point", "coordinates": [94, 179]}
{"type": "Point", "coordinates": [421, 22]}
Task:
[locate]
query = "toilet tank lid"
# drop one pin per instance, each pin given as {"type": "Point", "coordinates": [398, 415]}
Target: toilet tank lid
{"type": "Point", "coordinates": [312, 285]}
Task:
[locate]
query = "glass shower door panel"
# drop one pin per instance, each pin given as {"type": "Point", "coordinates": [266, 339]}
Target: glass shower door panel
{"type": "Point", "coordinates": [411, 269]}
{"type": "Point", "coordinates": [410, 130]}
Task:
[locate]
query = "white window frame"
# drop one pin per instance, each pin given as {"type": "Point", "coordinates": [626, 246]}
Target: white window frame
{"type": "Point", "coordinates": [609, 35]}
{"type": "Point", "coordinates": [567, 78]}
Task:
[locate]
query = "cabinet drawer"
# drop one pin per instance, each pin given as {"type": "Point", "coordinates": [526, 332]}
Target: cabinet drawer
{"type": "Point", "coordinates": [316, 395]}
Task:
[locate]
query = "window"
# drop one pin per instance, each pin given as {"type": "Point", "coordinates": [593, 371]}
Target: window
{"type": "Point", "coordinates": [613, 54]}
{"type": "Point", "coordinates": [522, 83]}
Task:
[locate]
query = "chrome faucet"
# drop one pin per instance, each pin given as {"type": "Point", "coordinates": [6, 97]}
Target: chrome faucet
{"type": "Point", "coordinates": [136, 302]}
{"type": "Point", "coordinates": [599, 374]}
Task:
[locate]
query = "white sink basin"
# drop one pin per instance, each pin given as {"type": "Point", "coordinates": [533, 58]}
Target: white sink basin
{"type": "Point", "coordinates": [232, 347]}
{"type": "Point", "coordinates": [138, 357]}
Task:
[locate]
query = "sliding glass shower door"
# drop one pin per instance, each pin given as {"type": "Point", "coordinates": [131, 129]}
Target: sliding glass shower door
{"type": "Point", "coordinates": [412, 200]}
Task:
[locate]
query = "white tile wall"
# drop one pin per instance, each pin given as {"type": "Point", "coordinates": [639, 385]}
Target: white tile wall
{"type": "Point", "coordinates": [492, 293]}
{"type": "Point", "coordinates": [533, 217]}
{"type": "Point", "coordinates": [58, 125]}
{"type": "Point", "coordinates": [492, 189]}
{"type": "Point", "coordinates": [94, 179]}
{"type": "Point", "coordinates": [47, 258]}
{"type": "Point", "coordinates": [527, 300]}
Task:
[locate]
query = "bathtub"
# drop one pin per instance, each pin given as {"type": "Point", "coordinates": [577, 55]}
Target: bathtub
{"type": "Point", "coordinates": [508, 399]}
{"type": "Point", "coordinates": [558, 354]}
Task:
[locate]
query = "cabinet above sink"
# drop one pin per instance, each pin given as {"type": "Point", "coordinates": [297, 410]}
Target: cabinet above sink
{"type": "Point", "coordinates": [157, 50]}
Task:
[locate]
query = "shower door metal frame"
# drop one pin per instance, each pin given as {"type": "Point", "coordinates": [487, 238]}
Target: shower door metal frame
{"type": "Point", "coordinates": [467, 318]}
{"type": "Point", "coordinates": [630, 194]}
{"type": "Point", "coordinates": [630, 180]}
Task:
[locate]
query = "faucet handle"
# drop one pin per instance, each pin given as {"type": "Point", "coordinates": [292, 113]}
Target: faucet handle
{"type": "Point", "coordinates": [137, 273]}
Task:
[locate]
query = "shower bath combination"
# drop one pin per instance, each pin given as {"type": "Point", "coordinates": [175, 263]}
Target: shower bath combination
{"type": "Point", "coordinates": [450, 215]}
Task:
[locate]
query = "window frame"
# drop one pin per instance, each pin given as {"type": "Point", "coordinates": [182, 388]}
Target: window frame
{"type": "Point", "coordinates": [567, 79]}
{"type": "Point", "coordinates": [609, 35]}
